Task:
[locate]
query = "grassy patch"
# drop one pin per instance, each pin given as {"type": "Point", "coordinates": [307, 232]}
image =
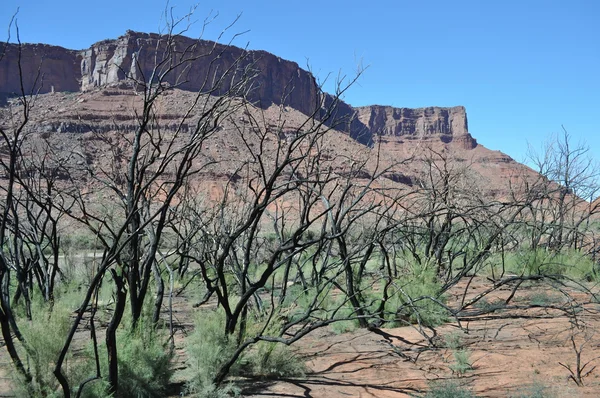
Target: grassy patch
{"type": "Point", "coordinates": [448, 389]}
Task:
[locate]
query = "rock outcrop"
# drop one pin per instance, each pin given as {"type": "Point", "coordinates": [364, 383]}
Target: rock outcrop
{"type": "Point", "coordinates": [133, 56]}
{"type": "Point", "coordinates": [447, 124]}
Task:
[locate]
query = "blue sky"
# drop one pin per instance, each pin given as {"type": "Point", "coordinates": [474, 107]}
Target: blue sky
{"type": "Point", "coordinates": [522, 68]}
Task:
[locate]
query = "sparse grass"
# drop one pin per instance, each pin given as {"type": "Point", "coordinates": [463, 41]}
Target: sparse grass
{"type": "Point", "coordinates": [541, 298]}
{"type": "Point", "coordinates": [448, 389]}
{"type": "Point", "coordinates": [489, 306]}
{"type": "Point", "coordinates": [535, 390]}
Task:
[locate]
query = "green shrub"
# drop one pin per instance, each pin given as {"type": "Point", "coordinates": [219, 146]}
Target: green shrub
{"type": "Point", "coordinates": [448, 389]}
{"type": "Point", "coordinates": [208, 348]}
{"type": "Point", "coordinates": [346, 326]}
{"type": "Point", "coordinates": [274, 360]}
{"type": "Point", "coordinates": [462, 362]}
{"type": "Point", "coordinates": [488, 306]}
{"type": "Point", "coordinates": [413, 296]}
{"type": "Point", "coordinates": [570, 263]}
{"type": "Point", "coordinates": [48, 326]}
{"type": "Point", "coordinates": [541, 298]}
{"type": "Point", "coordinates": [212, 391]}
{"type": "Point", "coordinates": [145, 362]}
{"type": "Point", "coordinates": [453, 340]}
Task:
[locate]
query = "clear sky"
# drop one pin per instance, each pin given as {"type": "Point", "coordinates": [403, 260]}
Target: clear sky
{"type": "Point", "coordinates": [522, 68]}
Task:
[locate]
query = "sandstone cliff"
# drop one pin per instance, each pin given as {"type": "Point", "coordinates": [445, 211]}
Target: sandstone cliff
{"type": "Point", "coordinates": [276, 81]}
{"type": "Point", "coordinates": [48, 67]}
{"type": "Point", "coordinates": [447, 124]}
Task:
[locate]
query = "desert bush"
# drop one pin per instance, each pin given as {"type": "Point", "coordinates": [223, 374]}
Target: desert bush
{"type": "Point", "coordinates": [416, 289]}
{"type": "Point", "coordinates": [541, 298]}
{"type": "Point", "coordinates": [527, 262]}
{"type": "Point", "coordinates": [486, 305]}
{"type": "Point", "coordinates": [453, 340]}
{"type": "Point", "coordinates": [48, 325]}
{"type": "Point", "coordinates": [208, 348]}
{"type": "Point", "coordinates": [568, 263]}
{"type": "Point", "coordinates": [145, 362]}
{"type": "Point", "coordinates": [462, 362]}
{"type": "Point", "coordinates": [145, 365]}
{"type": "Point", "coordinates": [344, 326]}
{"type": "Point", "coordinates": [273, 360]}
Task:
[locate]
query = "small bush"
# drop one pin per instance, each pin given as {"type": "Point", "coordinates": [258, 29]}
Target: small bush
{"type": "Point", "coordinates": [541, 298]}
{"type": "Point", "coordinates": [145, 363]}
{"type": "Point", "coordinates": [208, 348]}
{"type": "Point", "coordinates": [453, 340]}
{"type": "Point", "coordinates": [274, 360]}
{"type": "Point", "coordinates": [413, 298]}
{"type": "Point", "coordinates": [48, 326]}
{"type": "Point", "coordinates": [569, 263]}
{"type": "Point", "coordinates": [462, 362]}
{"type": "Point", "coordinates": [212, 391]}
{"type": "Point", "coordinates": [489, 306]}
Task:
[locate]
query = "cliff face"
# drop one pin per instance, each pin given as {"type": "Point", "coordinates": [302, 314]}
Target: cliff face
{"type": "Point", "coordinates": [447, 124]}
{"type": "Point", "coordinates": [47, 67]}
{"type": "Point", "coordinates": [276, 81]}
{"type": "Point", "coordinates": [133, 55]}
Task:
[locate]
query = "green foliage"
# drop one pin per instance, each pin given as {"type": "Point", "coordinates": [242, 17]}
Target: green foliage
{"type": "Point", "coordinates": [344, 326]}
{"type": "Point", "coordinates": [462, 362]}
{"type": "Point", "coordinates": [488, 306]}
{"type": "Point", "coordinates": [145, 363]}
{"type": "Point", "coordinates": [448, 389]}
{"type": "Point", "coordinates": [48, 326]}
{"type": "Point", "coordinates": [541, 298]}
{"type": "Point", "coordinates": [212, 391]}
{"type": "Point", "coordinates": [570, 263]}
{"type": "Point", "coordinates": [80, 241]}
{"type": "Point", "coordinates": [414, 294]}
{"type": "Point", "coordinates": [323, 305]}
{"type": "Point", "coordinates": [453, 340]}
{"type": "Point", "coordinates": [208, 348]}
{"type": "Point", "coordinates": [274, 360]}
